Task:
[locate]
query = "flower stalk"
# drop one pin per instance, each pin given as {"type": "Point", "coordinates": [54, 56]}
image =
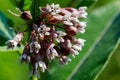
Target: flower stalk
{"type": "Point", "coordinates": [35, 78]}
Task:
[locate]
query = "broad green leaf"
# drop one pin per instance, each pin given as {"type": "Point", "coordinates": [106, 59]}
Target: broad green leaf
{"type": "Point", "coordinates": [35, 8]}
{"type": "Point", "coordinates": [27, 4]}
{"type": "Point", "coordinates": [10, 67]}
{"type": "Point", "coordinates": [79, 3]}
{"type": "Point", "coordinates": [13, 20]}
{"type": "Point", "coordinates": [22, 4]}
{"type": "Point", "coordinates": [112, 69]}
{"type": "Point", "coordinates": [100, 3]}
{"type": "Point", "coordinates": [97, 24]}
{"type": "Point", "coordinates": [97, 21]}
{"type": "Point", "coordinates": [17, 3]}
{"type": "Point", "coordinates": [5, 32]}
{"type": "Point", "coordinates": [17, 49]}
{"type": "Point", "coordinates": [96, 58]}
{"type": "Point", "coordinates": [68, 3]}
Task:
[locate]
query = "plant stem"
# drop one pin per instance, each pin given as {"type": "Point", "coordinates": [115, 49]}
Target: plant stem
{"type": "Point", "coordinates": [34, 14]}
{"type": "Point", "coordinates": [32, 77]}
{"type": "Point", "coordinates": [29, 71]}
{"type": "Point", "coordinates": [35, 78]}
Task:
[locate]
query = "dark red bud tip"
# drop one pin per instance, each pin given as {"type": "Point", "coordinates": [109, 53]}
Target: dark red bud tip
{"type": "Point", "coordinates": [26, 15]}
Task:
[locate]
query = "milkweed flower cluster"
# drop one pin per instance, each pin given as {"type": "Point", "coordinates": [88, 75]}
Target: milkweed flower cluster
{"type": "Point", "coordinates": [52, 36]}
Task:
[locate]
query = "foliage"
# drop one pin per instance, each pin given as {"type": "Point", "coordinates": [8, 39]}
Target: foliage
{"type": "Point", "coordinates": [102, 35]}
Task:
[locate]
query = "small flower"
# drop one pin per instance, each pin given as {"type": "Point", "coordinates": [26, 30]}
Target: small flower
{"type": "Point", "coordinates": [53, 9]}
{"type": "Point", "coordinates": [59, 36]}
{"type": "Point", "coordinates": [24, 57]}
{"type": "Point", "coordinates": [58, 17]}
{"type": "Point", "coordinates": [74, 52]}
{"type": "Point", "coordinates": [64, 60]}
{"type": "Point", "coordinates": [74, 20]}
{"type": "Point", "coordinates": [81, 30]}
{"type": "Point", "coordinates": [51, 53]}
{"type": "Point", "coordinates": [35, 73]}
{"type": "Point", "coordinates": [18, 37]}
{"type": "Point", "coordinates": [74, 12]}
{"type": "Point", "coordinates": [41, 65]}
{"type": "Point", "coordinates": [77, 47]}
{"type": "Point", "coordinates": [15, 41]}
{"type": "Point", "coordinates": [80, 41]}
{"type": "Point", "coordinates": [65, 12]}
{"type": "Point", "coordinates": [35, 47]}
{"type": "Point", "coordinates": [82, 8]}
{"type": "Point", "coordinates": [43, 30]}
{"type": "Point", "coordinates": [70, 20]}
{"type": "Point", "coordinates": [67, 20]}
{"type": "Point", "coordinates": [82, 12]}
{"type": "Point", "coordinates": [81, 27]}
{"type": "Point", "coordinates": [11, 44]}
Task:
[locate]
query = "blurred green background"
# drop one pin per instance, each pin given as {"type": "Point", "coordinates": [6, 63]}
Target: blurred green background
{"type": "Point", "coordinates": [100, 57]}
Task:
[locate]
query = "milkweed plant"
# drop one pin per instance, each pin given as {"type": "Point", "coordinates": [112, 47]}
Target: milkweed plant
{"type": "Point", "coordinates": [52, 36]}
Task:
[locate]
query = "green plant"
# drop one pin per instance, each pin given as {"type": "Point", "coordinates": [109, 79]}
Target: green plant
{"type": "Point", "coordinates": [102, 38]}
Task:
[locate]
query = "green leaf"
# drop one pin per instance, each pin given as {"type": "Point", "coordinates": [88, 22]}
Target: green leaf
{"type": "Point", "coordinates": [10, 67]}
{"type": "Point", "coordinates": [16, 21]}
{"type": "Point", "coordinates": [112, 69]}
{"type": "Point", "coordinates": [22, 4]}
{"type": "Point", "coordinates": [97, 24]}
{"type": "Point", "coordinates": [79, 3]}
{"type": "Point", "coordinates": [100, 3]}
{"type": "Point", "coordinates": [5, 32]}
{"type": "Point", "coordinates": [17, 3]}
{"type": "Point", "coordinates": [95, 60]}
{"type": "Point", "coordinates": [19, 50]}
{"type": "Point", "coordinates": [97, 21]}
{"type": "Point", "coordinates": [68, 3]}
{"type": "Point", "coordinates": [35, 8]}
{"type": "Point", "coordinates": [27, 4]}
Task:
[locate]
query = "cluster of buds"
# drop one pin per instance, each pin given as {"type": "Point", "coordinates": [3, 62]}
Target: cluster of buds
{"type": "Point", "coordinates": [52, 36]}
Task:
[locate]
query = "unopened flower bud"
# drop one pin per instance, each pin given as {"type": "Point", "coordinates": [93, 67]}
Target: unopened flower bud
{"type": "Point", "coordinates": [71, 31]}
{"type": "Point", "coordinates": [26, 15]}
{"type": "Point", "coordinates": [64, 60]}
